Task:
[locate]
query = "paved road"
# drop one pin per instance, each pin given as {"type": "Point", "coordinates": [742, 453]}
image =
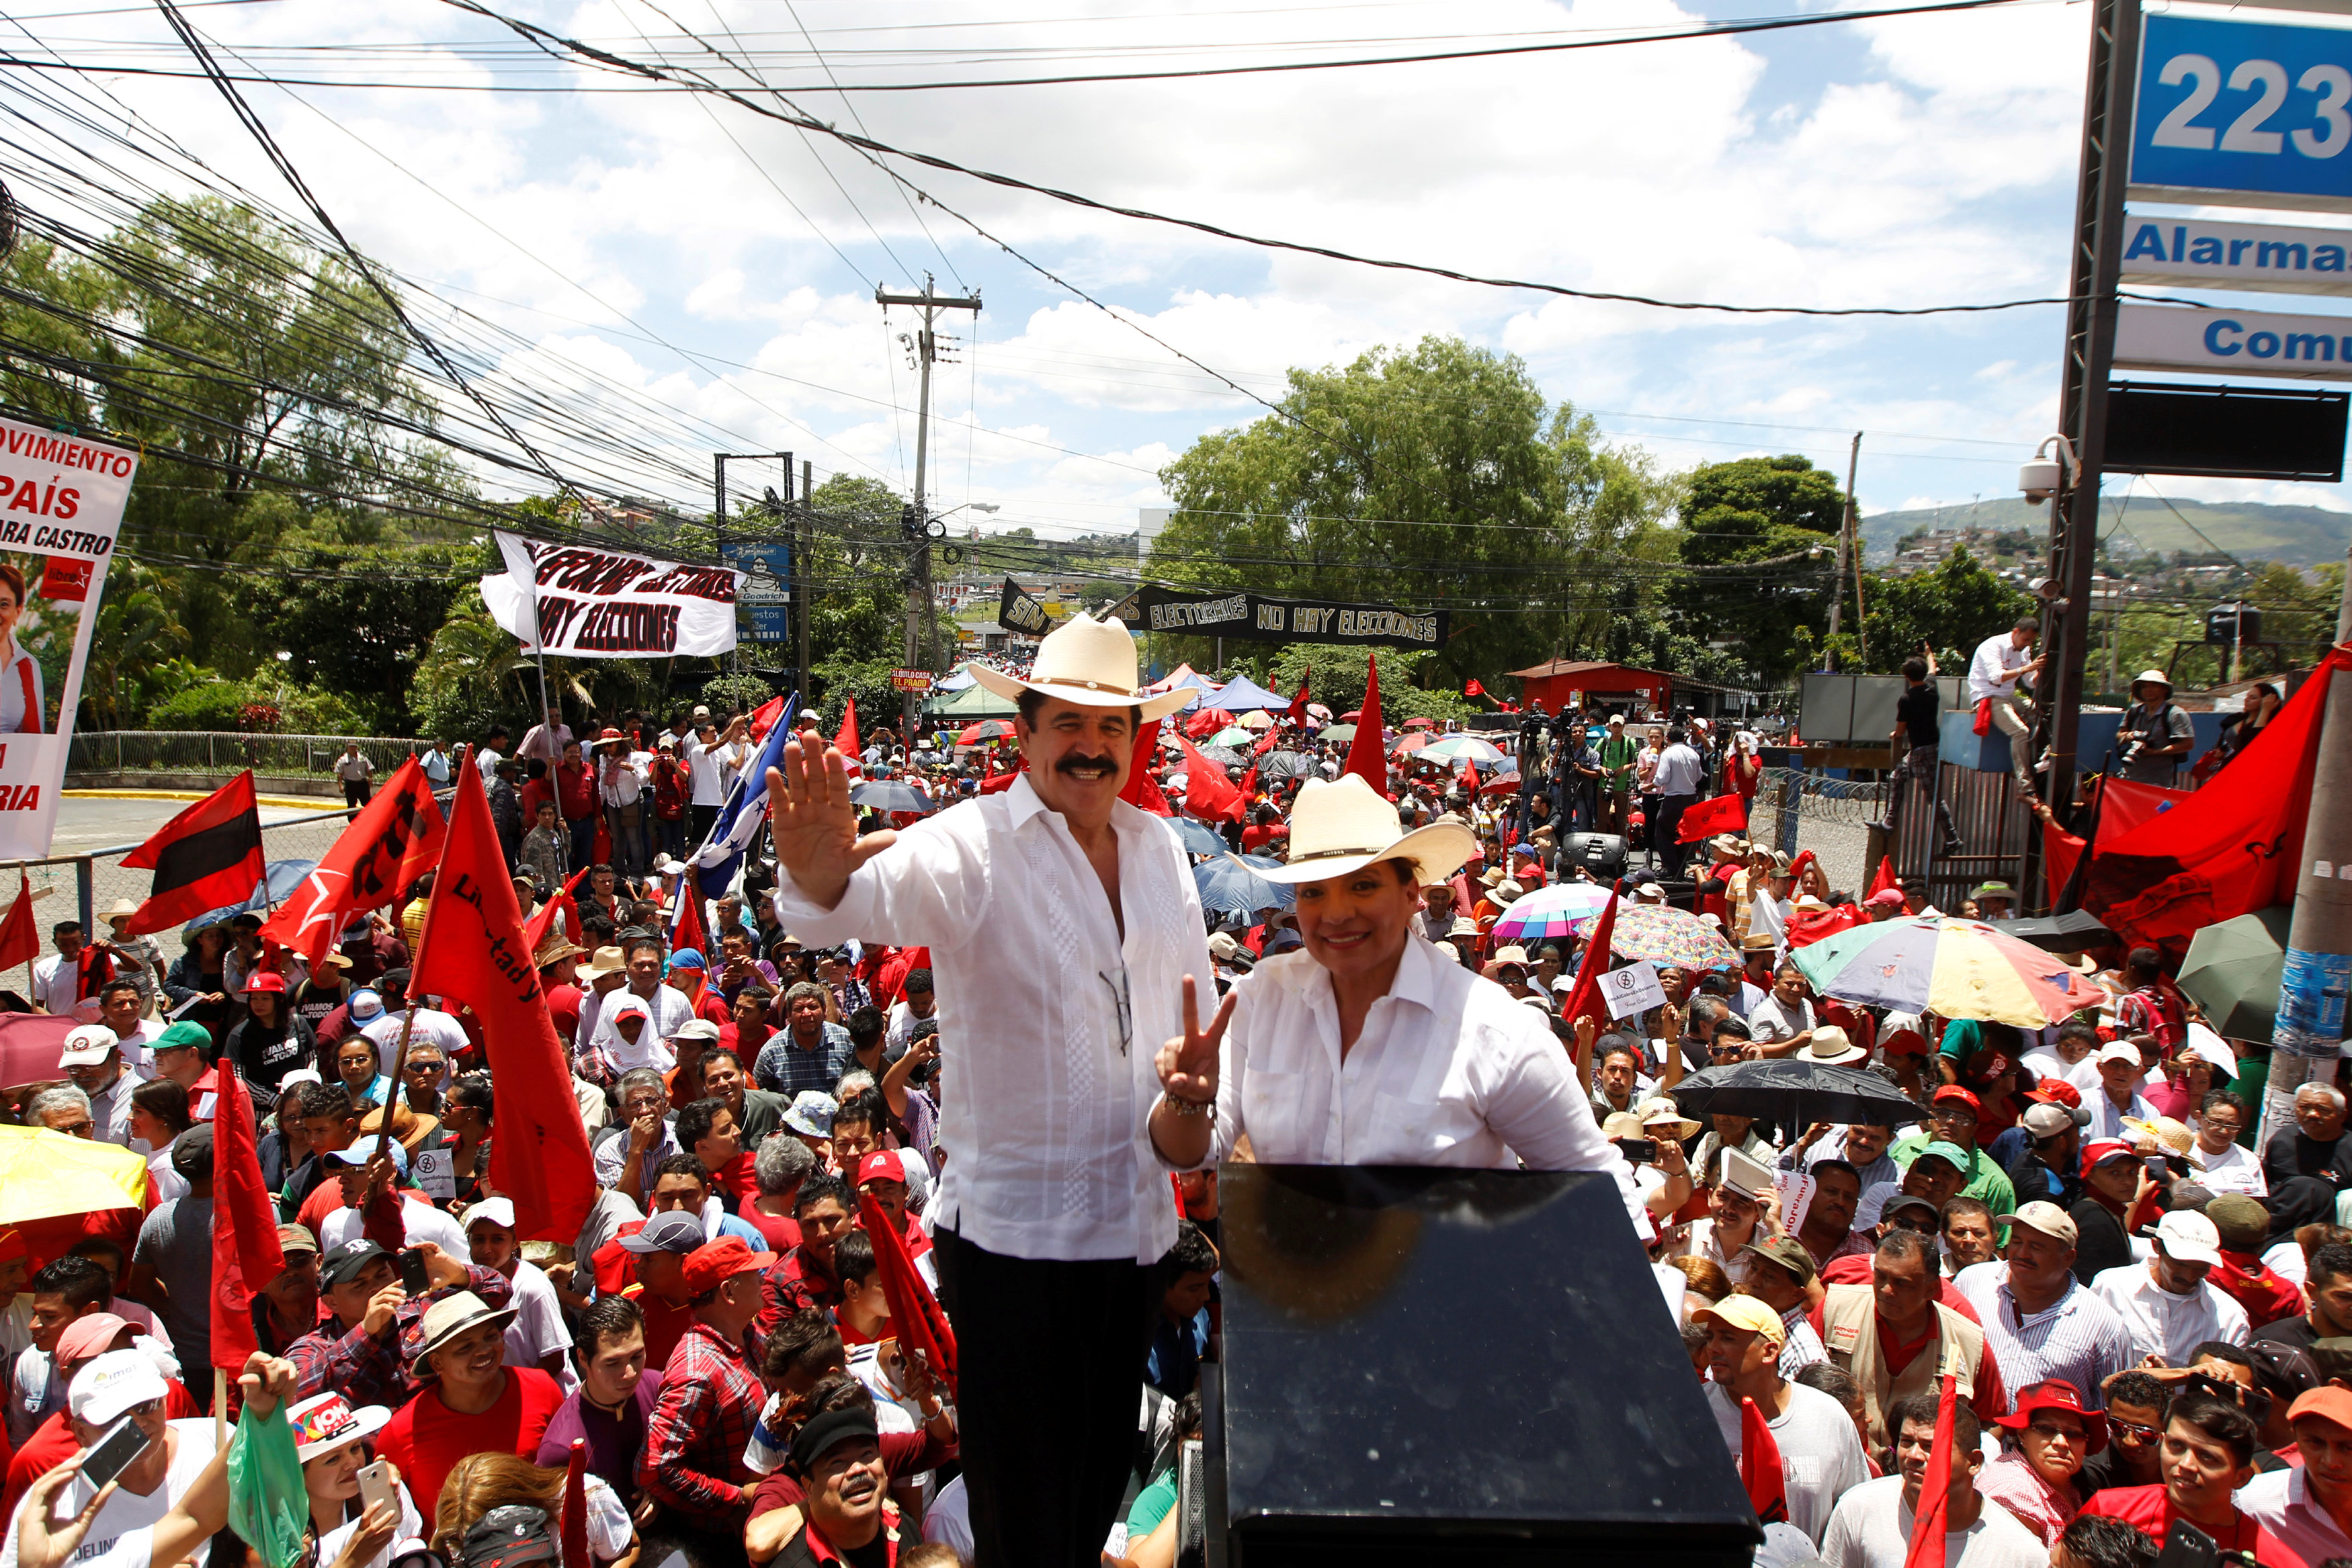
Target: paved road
{"type": "Point", "coordinates": [85, 824]}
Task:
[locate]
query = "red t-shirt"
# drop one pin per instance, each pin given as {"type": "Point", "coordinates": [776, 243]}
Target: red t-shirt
{"type": "Point", "coordinates": [739, 1176]}
{"type": "Point", "coordinates": [563, 1007]}
{"type": "Point", "coordinates": [783, 1232]}
{"type": "Point", "coordinates": [665, 1324]}
{"type": "Point", "coordinates": [2149, 1509]}
{"type": "Point", "coordinates": [426, 1438]}
{"type": "Point", "coordinates": [575, 791]}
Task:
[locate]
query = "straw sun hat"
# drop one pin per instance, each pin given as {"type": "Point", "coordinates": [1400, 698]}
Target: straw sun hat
{"type": "Point", "coordinates": [1338, 828]}
{"type": "Point", "coordinates": [1090, 663]}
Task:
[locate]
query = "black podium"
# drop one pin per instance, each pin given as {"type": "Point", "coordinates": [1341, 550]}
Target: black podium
{"type": "Point", "coordinates": [1439, 1367]}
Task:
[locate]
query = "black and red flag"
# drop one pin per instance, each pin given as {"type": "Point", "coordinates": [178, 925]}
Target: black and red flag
{"type": "Point", "coordinates": [208, 855]}
{"type": "Point", "coordinates": [393, 840]}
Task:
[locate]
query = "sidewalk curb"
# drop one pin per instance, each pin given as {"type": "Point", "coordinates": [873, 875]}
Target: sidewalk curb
{"type": "Point", "coordinates": [276, 802]}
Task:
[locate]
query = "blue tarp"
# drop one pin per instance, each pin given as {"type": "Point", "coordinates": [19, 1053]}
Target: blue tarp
{"type": "Point", "coordinates": [1241, 694]}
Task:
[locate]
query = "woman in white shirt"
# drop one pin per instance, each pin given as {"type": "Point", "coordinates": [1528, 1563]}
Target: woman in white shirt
{"type": "Point", "coordinates": [1368, 1046]}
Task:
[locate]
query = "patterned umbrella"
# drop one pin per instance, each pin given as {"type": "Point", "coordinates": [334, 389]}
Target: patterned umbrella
{"type": "Point", "coordinates": [1420, 723]}
{"type": "Point", "coordinates": [1257, 718]}
{"type": "Point", "coordinates": [1277, 765]}
{"type": "Point", "coordinates": [1223, 755]}
{"type": "Point", "coordinates": [1661, 935]}
{"type": "Point", "coordinates": [986, 729]}
{"type": "Point", "coordinates": [1411, 743]}
{"type": "Point", "coordinates": [1954, 969]}
{"type": "Point", "coordinates": [1460, 749]}
{"type": "Point", "coordinates": [1551, 911]}
{"type": "Point", "coordinates": [1232, 735]}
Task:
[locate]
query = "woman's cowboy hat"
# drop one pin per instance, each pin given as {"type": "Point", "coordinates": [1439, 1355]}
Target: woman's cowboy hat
{"type": "Point", "coordinates": [1088, 661]}
{"type": "Point", "coordinates": [1337, 829]}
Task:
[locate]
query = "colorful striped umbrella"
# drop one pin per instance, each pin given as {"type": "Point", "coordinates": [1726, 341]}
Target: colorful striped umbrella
{"type": "Point", "coordinates": [1954, 969]}
{"type": "Point", "coordinates": [1551, 911]}
{"type": "Point", "coordinates": [1232, 735]}
{"type": "Point", "coordinates": [1660, 934]}
{"type": "Point", "coordinates": [1460, 749]}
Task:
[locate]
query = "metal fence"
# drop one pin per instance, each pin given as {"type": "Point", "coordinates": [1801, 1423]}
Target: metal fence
{"type": "Point", "coordinates": [83, 886]}
{"type": "Point", "coordinates": [228, 751]}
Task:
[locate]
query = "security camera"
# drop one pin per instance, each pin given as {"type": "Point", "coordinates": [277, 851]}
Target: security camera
{"type": "Point", "coordinates": [2040, 478]}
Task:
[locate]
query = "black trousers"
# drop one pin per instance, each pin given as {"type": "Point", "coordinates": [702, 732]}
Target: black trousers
{"type": "Point", "coordinates": [1050, 1356]}
{"type": "Point", "coordinates": [1664, 826]}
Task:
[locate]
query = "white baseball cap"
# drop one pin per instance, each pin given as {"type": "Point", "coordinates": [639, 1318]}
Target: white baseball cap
{"type": "Point", "coordinates": [115, 1384]}
{"type": "Point", "coordinates": [87, 1045]}
{"type": "Point", "coordinates": [2188, 1237]}
{"type": "Point", "coordinates": [499, 1211]}
{"type": "Point", "coordinates": [2117, 1051]}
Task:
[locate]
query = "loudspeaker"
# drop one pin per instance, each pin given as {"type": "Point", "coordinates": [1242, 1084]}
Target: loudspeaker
{"type": "Point", "coordinates": [1359, 1417]}
{"type": "Point", "coordinates": [1602, 855]}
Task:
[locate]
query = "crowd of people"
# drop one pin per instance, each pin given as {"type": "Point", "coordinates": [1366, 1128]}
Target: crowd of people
{"type": "Point", "coordinates": [1007, 1029]}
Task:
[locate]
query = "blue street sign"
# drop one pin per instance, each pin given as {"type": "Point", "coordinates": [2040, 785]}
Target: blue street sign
{"type": "Point", "coordinates": [2244, 114]}
{"type": "Point", "coordinates": [763, 604]}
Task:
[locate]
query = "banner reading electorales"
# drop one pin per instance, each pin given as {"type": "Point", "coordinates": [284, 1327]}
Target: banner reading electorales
{"type": "Point", "coordinates": [1253, 617]}
{"type": "Point", "coordinates": [610, 604]}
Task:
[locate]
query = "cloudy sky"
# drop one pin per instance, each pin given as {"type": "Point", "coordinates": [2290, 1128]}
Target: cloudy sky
{"type": "Point", "coordinates": [670, 250]}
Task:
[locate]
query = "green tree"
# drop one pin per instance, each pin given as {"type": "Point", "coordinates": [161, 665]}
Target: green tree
{"type": "Point", "coordinates": [1437, 475]}
{"type": "Point", "coordinates": [1759, 543]}
{"type": "Point", "coordinates": [1951, 609]}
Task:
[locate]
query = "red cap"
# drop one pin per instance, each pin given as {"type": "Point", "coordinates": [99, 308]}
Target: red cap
{"type": "Point", "coordinates": [2059, 1394]}
{"type": "Point", "coordinates": [611, 1262]}
{"type": "Point", "coordinates": [2055, 1092]}
{"type": "Point", "coordinates": [2329, 1404]}
{"type": "Point", "coordinates": [2099, 1149]}
{"type": "Point", "coordinates": [11, 1246]}
{"type": "Point", "coordinates": [710, 1266]}
{"type": "Point", "coordinates": [1954, 1092]}
{"type": "Point", "coordinates": [882, 1165]}
{"type": "Point", "coordinates": [267, 980]}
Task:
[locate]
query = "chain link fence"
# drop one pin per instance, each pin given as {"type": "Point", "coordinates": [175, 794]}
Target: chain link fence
{"type": "Point", "coordinates": [204, 751]}
{"type": "Point", "coordinates": [1797, 811]}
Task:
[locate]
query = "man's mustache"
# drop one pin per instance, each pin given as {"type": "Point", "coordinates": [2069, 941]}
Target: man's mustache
{"type": "Point", "coordinates": [1073, 762]}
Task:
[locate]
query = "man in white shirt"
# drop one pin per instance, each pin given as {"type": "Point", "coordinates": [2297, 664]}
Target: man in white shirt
{"type": "Point", "coordinates": [1873, 1523]}
{"type": "Point", "coordinates": [1071, 921]}
{"type": "Point", "coordinates": [422, 1221]}
{"type": "Point", "coordinates": [1677, 782]}
{"type": "Point", "coordinates": [2167, 1303]}
{"type": "Point", "coordinates": [92, 1057]}
{"type": "Point", "coordinates": [711, 764]}
{"type": "Point", "coordinates": [536, 1335]}
{"type": "Point", "coordinates": [2040, 1322]}
{"type": "Point", "coordinates": [2303, 1507]}
{"type": "Point", "coordinates": [1821, 1451]}
{"type": "Point", "coordinates": [665, 1005]}
{"type": "Point", "coordinates": [1782, 1023]}
{"type": "Point", "coordinates": [2220, 1164]}
{"type": "Point", "coordinates": [493, 752]}
{"type": "Point", "coordinates": [621, 787]}
{"type": "Point", "coordinates": [921, 1001]}
{"type": "Point", "coordinates": [1993, 673]}
{"type": "Point", "coordinates": [546, 742]}
{"type": "Point", "coordinates": [56, 979]}
{"type": "Point", "coordinates": [2114, 1097]}
{"type": "Point", "coordinates": [121, 1007]}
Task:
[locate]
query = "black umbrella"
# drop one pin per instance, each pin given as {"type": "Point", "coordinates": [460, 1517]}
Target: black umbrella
{"type": "Point", "coordinates": [2076, 931]}
{"type": "Point", "coordinates": [1794, 1092]}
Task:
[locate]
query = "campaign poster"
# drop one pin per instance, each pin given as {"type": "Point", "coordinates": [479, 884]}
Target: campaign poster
{"type": "Point", "coordinates": [61, 500]}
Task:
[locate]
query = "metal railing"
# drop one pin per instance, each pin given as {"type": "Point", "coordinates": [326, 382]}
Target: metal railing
{"type": "Point", "coordinates": [228, 751]}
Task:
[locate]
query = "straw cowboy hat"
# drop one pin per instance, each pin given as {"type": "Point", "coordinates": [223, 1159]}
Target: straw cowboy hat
{"type": "Point", "coordinates": [1090, 663]}
{"type": "Point", "coordinates": [1337, 829]}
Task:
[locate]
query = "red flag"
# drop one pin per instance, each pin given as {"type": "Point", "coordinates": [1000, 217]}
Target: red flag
{"type": "Point", "coordinates": [2233, 847]}
{"type": "Point", "coordinates": [575, 1506]}
{"type": "Point", "coordinates": [20, 938]}
{"type": "Point", "coordinates": [1586, 998]}
{"type": "Point", "coordinates": [1368, 753]}
{"type": "Point", "coordinates": [534, 935]}
{"type": "Point", "coordinates": [1207, 721]}
{"type": "Point", "coordinates": [1724, 814]}
{"type": "Point", "coordinates": [1266, 743]}
{"type": "Point", "coordinates": [394, 838]}
{"type": "Point", "coordinates": [1761, 1470]}
{"type": "Point", "coordinates": [1472, 689]}
{"type": "Point", "coordinates": [685, 928]}
{"type": "Point", "coordinates": [246, 1254]}
{"type": "Point", "coordinates": [1208, 793]}
{"type": "Point", "coordinates": [472, 949]}
{"type": "Point", "coordinates": [1470, 779]}
{"type": "Point", "coordinates": [1142, 789]}
{"type": "Point", "coordinates": [1248, 787]}
{"type": "Point", "coordinates": [997, 783]}
{"type": "Point", "coordinates": [1927, 1524]}
{"type": "Point", "coordinates": [1296, 712]}
{"type": "Point", "coordinates": [764, 716]}
{"type": "Point", "coordinates": [1806, 926]}
{"type": "Point", "coordinates": [208, 855]}
{"type": "Point", "coordinates": [1887, 879]}
{"type": "Point", "coordinates": [915, 1314]}
{"type": "Point", "coordinates": [848, 741]}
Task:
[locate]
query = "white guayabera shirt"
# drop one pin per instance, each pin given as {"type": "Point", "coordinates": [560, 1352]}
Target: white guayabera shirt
{"type": "Point", "coordinates": [1049, 1022]}
{"type": "Point", "coordinates": [1449, 1070]}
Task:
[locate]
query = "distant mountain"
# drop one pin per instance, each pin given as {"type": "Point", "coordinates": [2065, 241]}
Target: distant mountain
{"type": "Point", "coordinates": [2299, 536]}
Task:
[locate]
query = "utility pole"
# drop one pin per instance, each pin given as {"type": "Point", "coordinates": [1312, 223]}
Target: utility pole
{"type": "Point", "coordinates": [2319, 942]}
{"type": "Point", "coordinates": [804, 579]}
{"type": "Point", "coordinates": [923, 346]}
{"type": "Point", "coordinates": [1847, 533]}
{"type": "Point", "coordinates": [2097, 264]}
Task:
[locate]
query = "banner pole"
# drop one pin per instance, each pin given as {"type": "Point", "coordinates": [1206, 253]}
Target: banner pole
{"type": "Point", "coordinates": [399, 1076]}
{"type": "Point", "coordinates": [220, 1409]}
{"type": "Point", "coordinates": [547, 728]}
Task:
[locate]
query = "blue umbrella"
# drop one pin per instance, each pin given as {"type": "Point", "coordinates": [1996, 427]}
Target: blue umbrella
{"type": "Point", "coordinates": [891, 796]}
{"type": "Point", "coordinates": [278, 881]}
{"type": "Point", "coordinates": [1197, 838]}
{"type": "Point", "coordinates": [1230, 885]}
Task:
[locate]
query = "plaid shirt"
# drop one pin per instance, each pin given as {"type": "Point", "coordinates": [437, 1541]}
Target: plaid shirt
{"type": "Point", "coordinates": [693, 1457]}
{"type": "Point", "coordinates": [369, 1369]}
{"type": "Point", "coordinates": [851, 995]}
{"type": "Point", "coordinates": [784, 1068]}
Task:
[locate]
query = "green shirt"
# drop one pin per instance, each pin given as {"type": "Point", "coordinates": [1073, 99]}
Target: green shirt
{"type": "Point", "coordinates": [1152, 1505]}
{"type": "Point", "coordinates": [1986, 1181]}
{"type": "Point", "coordinates": [1617, 754]}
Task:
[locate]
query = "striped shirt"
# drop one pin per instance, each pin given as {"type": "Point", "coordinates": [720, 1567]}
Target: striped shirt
{"type": "Point", "coordinates": [2080, 1338]}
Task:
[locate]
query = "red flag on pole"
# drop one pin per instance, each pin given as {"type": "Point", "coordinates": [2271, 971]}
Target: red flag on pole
{"type": "Point", "coordinates": [1296, 712]}
{"type": "Point", "coordinates": [763, 719]}
{"type": "Point", "coordinates": [1142, 789]}
{"type": "Point", "coordinates": [534, 935]}
{"type": "Point", "coordinates": [915, 1314]}
{"type": "Point", "coordinates": [394, 838]}
{"type": "Point", "coordinates": [1887, 879]}
{"type": "Point", "coordinates": [574, 1529]}
{"type": "Point", "coordinates": [246, 1255]}
{"type": "Point", "coordinates": [1470, 779]}
{"type": "Point", "coordinates": [847, 741]}
{"type": "Point", "coordinates": [20, 938]}
{"type": "Point", "coordinates": [472, 949]}
{"type": "Point", "coordinates": [1761, 1470]}
{"type": "Point", "coordinates": [1927, 1525]}
{"type": "Point", "coordinates": [1208, 793]}
{"type": "Point", "coordinates": [685, 928]}
{"type": "Point", "coordinates": [1368, 753]}
{"type": "Point", "coordinates": [208, 855]}
{"type": "Point", "coordinates": [1587, 997]}
{"type": "Point", "coordinates": [1724, 814]}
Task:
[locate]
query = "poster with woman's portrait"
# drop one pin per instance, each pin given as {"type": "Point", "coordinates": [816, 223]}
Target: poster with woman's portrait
{"type": "Point", "coordinates": [61, 501]}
